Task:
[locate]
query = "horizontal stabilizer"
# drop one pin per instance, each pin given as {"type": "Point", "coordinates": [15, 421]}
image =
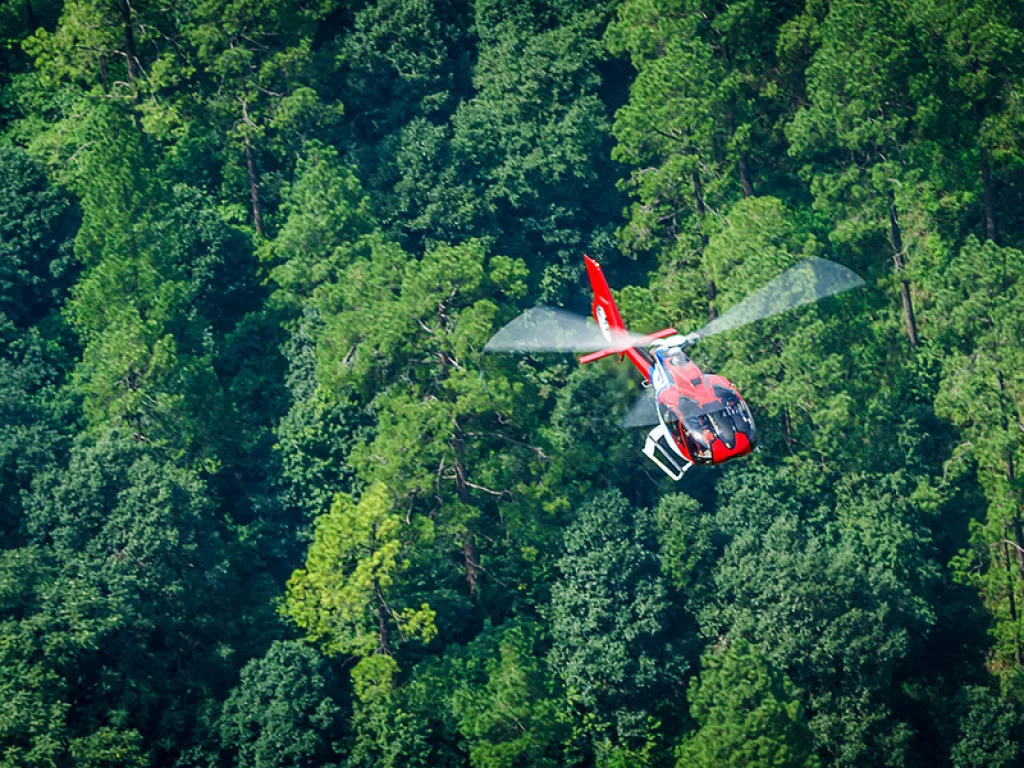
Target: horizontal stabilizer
{"type": "Point", "coordinates": [634, 342]}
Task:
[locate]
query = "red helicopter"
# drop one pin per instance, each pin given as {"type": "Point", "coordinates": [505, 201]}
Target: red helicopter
{"type": "Point", "coordinates": [697, 418]}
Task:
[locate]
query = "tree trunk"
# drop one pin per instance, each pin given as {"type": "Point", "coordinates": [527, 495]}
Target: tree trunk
{"type": "Point", "coordinates": [129, 41]}
{"type": "Point", "coordinates": [469, 556]}
{"type": "Point", "coordinates": [382, 623]}
{"type": "Point", "coordinates": [897, 259]}
{"type": "Point", "coordinates": [698, 193]}
{"type": "Point", "coordinates": [104, 77]}
{"type": "Point", "coordinates": [1013, 601]}
{"type": "Point", "coordinates": [745, 182]}
{"type": "Point", "coordinates": [254, 188]}
{"type": "Point", "coordinates": [469, 553]}
{"type": "Point", "coordinates": [989, 197]}
{"type": "Point", "coordinates": [132, 59]}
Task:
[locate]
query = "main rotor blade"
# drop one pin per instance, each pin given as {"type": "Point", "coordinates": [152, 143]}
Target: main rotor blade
{"type": "Point", "coordinates": [643, 412]}
{"type": "Point", "coordinates": [545, 329]}
{"type": "Point", "coordinates": [808, 281]}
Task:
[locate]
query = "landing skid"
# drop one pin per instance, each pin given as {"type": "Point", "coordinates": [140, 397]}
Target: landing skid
{"type": "Point", "coordinates": [660, 449]}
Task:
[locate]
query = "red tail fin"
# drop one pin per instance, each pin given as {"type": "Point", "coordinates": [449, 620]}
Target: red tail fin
{"type": "Point", "coordinates": [610, 322]}
{"type": "Point", "coordinates": [604, 309]}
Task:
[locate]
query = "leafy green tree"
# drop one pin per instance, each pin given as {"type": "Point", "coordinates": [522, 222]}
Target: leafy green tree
{"type": "Point", "coordinates": [34, 416]}
{"type": "Point", "coordinates": [50, 625]}
{"type": "Point", "coordinates": [326, 224]}
{"type": "Point", "coordinates": [136, 608]}
{"type": "Point", "coordinates": [748, 713]}
{"type": "Point", "coordinates": [403, 69]}
{"type": "Point", "coordinates": [281, 712]}
{"type": "Point", "coordinates": [409, 334]}
{"type": "Point", "coordinates": [701, 129]}
{"type": "Point", "coordinates": [316, 434]}
{"type": "Point", "coordinates": [686, 546]}
{"type": "Point", "coordinates": [35, 704]}
{"type": "Point", "coordinates": [104, 50]}
{"type": "Point", "coordinates": [869, 96]}
{"type": "Point", "coordinates": [257, 88]}
{"type": "Point", "coordinates": [37, 224]}
{"type": "Point", "coordinates": [19, 19]}
{"type": "Point", "coordinates": [165, 275]}
{"type": "Point", "coordinates": [610, 622]}
{"type": "Point", "coordinates": [837, 599]}
{"type": "Point", "coordinates": [390, 728]}
{"type": "Point", "coordinates": [521, 160]}
{"type": "Point", "coordinates": [590, 450]}
{"type": "Point", "coordinates": [989, 727]}
{"type": "Point", "coordinates": [978, 306]}
{"type": "Point", "coordinates": [980, 59]}
{"type": "Point", "coordinates": [716, 67]}
{"type": "Point", "coordinates": [110, 747]}
{"type": "Point", "coordinates": [512, 720]}
{"type": "Point", "coordinates": [346, 596]}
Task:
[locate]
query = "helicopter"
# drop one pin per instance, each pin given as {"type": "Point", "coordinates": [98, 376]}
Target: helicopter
{"type": "Point", "coordinates": [697, 418]}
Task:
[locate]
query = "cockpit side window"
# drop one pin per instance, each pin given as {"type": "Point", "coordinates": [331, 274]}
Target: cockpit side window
{"type": "Point", "coordinates": [668, 415]}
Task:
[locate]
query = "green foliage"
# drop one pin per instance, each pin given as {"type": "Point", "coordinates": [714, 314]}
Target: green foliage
{"type": "Point", "coordinates": [836, 600]}
{"type": "Point", "coordinates": [979, 302]}
{"type": "Point", "coordinates": [343, 597]}
{"type": "Point", "coordinates": [988, 730]}
{"type": "Point", "coordinates": [609, 620]}
{"type": "Point", "coordinates": [685, 541]}
{"type": "Point", "coordinates": [33, 412]}
{"type": "Point", "coordinates": [512, 720]}
{"type": "Point", "coordinates": [326, 225]}
{"type": "Point", "coordinates": [748, 713]}
{"type": "Point", "coordinates": [124, 570]}
{"type": "Point", "coordinates": [281, 712]}
{"type": "Point", "coordinates": [37, 224]}
{"type": "Point", "coordinates": [110, 747]}
{"type": "Point", "coordinates": [250, 255]}
{"type": "Point", "coordinates": [700, 129]}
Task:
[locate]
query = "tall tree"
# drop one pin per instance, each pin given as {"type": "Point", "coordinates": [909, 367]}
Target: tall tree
{"type": "Point", "coordinates": [748, 713]}
{"type": "Point", "coordinates": [701, 124]}
{"type": "Point", "coordinates": [512, 720]}
{"type": "Point", "coordinates": [610, 622]}
{"type": "Point", "coordinates": [979, 303]}
{"type": "Point", "coordinates": [281, 712]}
{"type": "Point", "coordinates": [981, 61]}
{"type": "Point", "coordinates": [868, 95]}
{"type": "Point", "coordinates": [838, 599]}
{"type": "Point", "coordinates": [37, 225]}
{"type": "Point", "coordinates": [348, 597]}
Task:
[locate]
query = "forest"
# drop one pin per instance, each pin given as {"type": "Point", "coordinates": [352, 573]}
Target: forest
{"type": "Point", "coordinates": [265, 502]}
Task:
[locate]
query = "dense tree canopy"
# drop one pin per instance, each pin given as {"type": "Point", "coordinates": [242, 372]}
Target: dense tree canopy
{"type": "Point", "coordinates": [264, 500]}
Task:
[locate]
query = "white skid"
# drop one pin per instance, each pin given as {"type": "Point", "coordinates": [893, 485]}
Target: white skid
{"type": "Point", "coordinates": [659, 448]}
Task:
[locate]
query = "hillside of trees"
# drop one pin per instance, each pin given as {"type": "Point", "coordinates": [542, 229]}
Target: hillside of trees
{"type": "Point", "coordinates": [264, 502]}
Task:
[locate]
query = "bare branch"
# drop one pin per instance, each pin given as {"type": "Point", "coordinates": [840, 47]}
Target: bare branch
{"type": "Point", "coordinates": [500, 436]}
{"type": "Point", "coordinates": [487, 490]}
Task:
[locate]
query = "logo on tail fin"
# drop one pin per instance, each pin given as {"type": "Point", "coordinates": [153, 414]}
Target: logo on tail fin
{"type": "Point", "coordinates": [602, 322]}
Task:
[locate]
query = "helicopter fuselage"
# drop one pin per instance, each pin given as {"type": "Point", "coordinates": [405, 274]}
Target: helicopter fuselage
{"type": "Point", "coordinates": [707, 419]}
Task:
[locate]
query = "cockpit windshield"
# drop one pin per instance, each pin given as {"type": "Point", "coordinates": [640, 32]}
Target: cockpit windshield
{"type": "Point", "coordinates": [698, 426]}
{"type": "Point", "coordinates": [690, 427]}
